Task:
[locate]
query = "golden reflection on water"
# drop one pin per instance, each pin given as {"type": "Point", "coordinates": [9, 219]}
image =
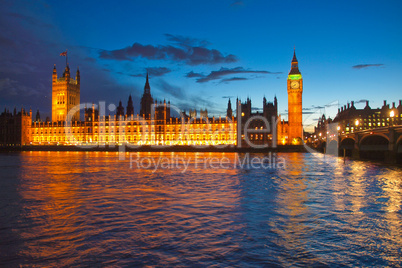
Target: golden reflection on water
{"type": "Point", "coordinates": [78, 197]}
{"type": "Point", "coordinates": [392, 188]}
{"type": "Point", "coordinates": [92, 206]}
{"type": "Point", "coordinates": [291, 206]}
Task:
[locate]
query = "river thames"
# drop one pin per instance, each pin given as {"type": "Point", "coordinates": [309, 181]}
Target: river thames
{"type": "Point", "coordinates": [63, 209]}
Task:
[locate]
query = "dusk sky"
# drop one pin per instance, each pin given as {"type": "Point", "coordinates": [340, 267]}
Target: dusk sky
{"type": "Point", "coordinates": [199, 53]}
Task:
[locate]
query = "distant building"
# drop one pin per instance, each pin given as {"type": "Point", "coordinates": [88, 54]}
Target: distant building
{"type": "Point", "coordinates": [260, 126]}
{"type": "Point", "coordinates": [192, 113]}
{"type": "Point", "coordinates": [154, 125]}
{"type": "Point", "coordinates": [15, 128]}
{"type": "Point", "coordinates": [349, 119]}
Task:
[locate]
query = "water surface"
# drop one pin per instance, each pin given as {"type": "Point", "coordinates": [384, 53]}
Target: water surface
{"type": "Point", "coordinates": [92, 209]}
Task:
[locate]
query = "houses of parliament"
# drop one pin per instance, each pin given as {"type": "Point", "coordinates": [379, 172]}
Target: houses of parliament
{"type": "Point", "coordinates": [156, 124]}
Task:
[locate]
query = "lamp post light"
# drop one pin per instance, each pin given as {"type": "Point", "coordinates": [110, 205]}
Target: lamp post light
{"type": "Point", "coordinates": [357, 122]}
{"type": "Point", "coordinates": [392, 114]}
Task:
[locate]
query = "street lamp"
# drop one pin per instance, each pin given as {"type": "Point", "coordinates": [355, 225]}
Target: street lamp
{"type": "Point", "coordinates": [392, 114]}
{"type": "Point", "coordinates": [357, 122]}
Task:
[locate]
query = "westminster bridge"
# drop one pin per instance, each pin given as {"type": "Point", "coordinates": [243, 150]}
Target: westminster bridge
{"type": "Point", "coordinates": [383, 143]}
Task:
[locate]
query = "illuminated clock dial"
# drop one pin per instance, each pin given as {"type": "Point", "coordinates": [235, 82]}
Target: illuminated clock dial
{"type": "Point", "coordinates": [294, 84]}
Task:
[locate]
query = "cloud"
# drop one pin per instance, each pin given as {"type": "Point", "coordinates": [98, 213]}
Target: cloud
{"type": "Point", "coordinates": [10, 87]}
{"type": "Point", "coordinates": [318, 107]}
{"type": "Point", "coordinates": [153, 72]}
{"type": "Point", "coordinates": [158, 71]}
{"type": "Point", "coordinates": [189, 51]}
{"type": "Point", "coordinates": [361, 101]}
{"type": "Point", "coordinates": [185, 41]}
{"type": "Point", "coordinates": [361, 66]}
{"type": "Point", "coordinates": [227, 97]}
{"type": "Point", "coordinates": [170, 89]}
{"type": "Point", "coordinates": [233, 79]}
{"type": "Point", "coordinates": [192, 74]}
{"type": "Point", "coordinates": [216, 75]}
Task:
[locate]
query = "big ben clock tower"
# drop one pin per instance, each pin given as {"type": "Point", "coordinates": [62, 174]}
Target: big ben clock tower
{"type": "Point", "coordinates": [295, 91]}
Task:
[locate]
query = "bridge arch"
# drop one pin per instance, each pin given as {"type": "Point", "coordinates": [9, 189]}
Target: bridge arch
{"type": "Point", "coordinates": [373, 135]}
{"type": "Point", "coordinates": [346, 146]}
{"type": "Point", "coordinates": [398, 148]}
{"type": "Point", "coordinates": [399, 141]}
{"type": "Point", "coordinates": [374, 146]}
{"type": "Point", "coordinates": [332, 147]}
{"type": "Point", "coordinates": [348, 137]}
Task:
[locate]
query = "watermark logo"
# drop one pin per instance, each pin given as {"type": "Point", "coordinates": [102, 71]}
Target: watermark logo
{"type": "Point", "coordinates": [325, 138]}
{"type": "Point", "coordinates": [206, 162]}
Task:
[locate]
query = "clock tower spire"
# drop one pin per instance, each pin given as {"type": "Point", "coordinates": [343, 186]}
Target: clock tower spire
{"type": "Point", "coordinates": [295, 91]}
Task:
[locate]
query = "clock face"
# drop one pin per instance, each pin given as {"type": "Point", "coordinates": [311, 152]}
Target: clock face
{"type": "Point", "coordinates": [294, 84]}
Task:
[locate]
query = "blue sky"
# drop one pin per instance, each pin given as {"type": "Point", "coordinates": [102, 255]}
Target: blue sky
{"type": "Point", "coordinates": [199, 53]}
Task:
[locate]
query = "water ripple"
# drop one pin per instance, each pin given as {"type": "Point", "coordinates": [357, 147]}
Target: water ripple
{"type": "Point", "coordinates": [62, 209]}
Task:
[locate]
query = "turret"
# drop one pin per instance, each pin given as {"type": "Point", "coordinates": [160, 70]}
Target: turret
{"type": "Point", "coordinates": [229, 111]}
{"type": "Point", "coordinates": [130, 106]}
{"type": "Point", "coordinates": [385, 106]}
{"type": "Point", "coordinates": [295, 65]}
{"type": "Point", "coordinates": [367, 106]}
{"type": "Point", "coordinates": [120, 110]}
{"type": "Point", "coordinates": [146, 100]}
{"type": "Point", "coordinates": [77, 76]}
{"type": "Point", "coordinates": [37, 118]}
{"type": "Point", "coordinates": [66, 73]}
{"type": "Point", "coordinates": [54, 75]}
{"type": "Point", "coordinates": [147, 88]}
{"type": "Point", "coordinates": [295, 91]}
